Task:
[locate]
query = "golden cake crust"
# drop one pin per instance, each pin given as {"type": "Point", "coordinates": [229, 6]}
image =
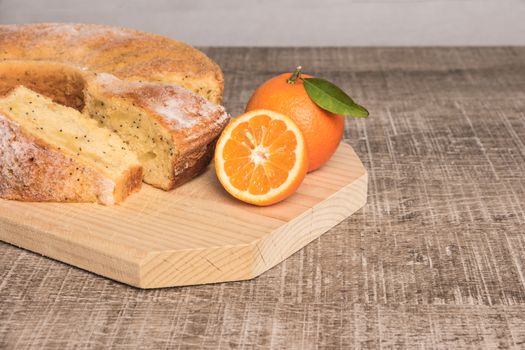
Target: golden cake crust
{"type": "Point", "coordinates": [33, 170]}
{"type": "Point", "coordinates": [126, 53]}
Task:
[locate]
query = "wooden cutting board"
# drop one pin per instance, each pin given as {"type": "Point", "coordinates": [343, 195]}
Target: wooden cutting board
{"type": "Point", "coordinates": [195, 234]}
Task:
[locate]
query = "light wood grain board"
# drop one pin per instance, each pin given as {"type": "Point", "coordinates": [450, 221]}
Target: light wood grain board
{"type": "Point", "coordinates": [193, 235]}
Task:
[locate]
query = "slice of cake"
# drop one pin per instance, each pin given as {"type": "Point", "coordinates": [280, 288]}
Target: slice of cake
{"type": "Point", "coordinates": [49, 152]}
{"type": "Point", "coordinates": [171, 129]}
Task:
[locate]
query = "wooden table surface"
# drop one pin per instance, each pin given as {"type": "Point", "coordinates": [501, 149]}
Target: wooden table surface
{"type": "Point", "coordinates": [436, 259]}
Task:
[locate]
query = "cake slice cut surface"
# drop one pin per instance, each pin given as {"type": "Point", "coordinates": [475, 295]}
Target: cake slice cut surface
{"type": "Point", "coordinates": [50, 152]}
{"type": "Point", "coordinates": [171, 129]}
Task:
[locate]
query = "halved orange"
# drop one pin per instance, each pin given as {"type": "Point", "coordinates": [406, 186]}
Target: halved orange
{"type": "Point", "coordinates": [261, 157]}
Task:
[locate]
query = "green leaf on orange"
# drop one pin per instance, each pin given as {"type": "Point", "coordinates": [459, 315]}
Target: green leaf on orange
{"type": "Point", "coordinates": [331, 98]}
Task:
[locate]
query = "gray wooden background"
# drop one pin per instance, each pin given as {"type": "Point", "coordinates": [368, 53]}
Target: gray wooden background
{"type": "Point", "coordinates": [294, 22]}
{"type": "Point", "coordinates": [435, 260]}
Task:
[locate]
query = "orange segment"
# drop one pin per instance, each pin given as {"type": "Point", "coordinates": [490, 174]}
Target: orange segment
{"type": "Point", "coordinates": [242, 135]}
{"type": "Point", "coordinates": [261, 157]}
{"type": "Point", "coordinates": [283, 160]}
{"type": "Point", "coordinates": [275, 129]}
{"type": "Point", "coordinates": [276, 175]}
{"type": "Point", "coordinates": [241, 179]}
{"type": "Point", "coordinates": [285, 143]}
{"type": "Point", "coordinates": [259, 127]}
{"type": "Point", "coordinates": [259, 183]}
{"type": "Point", "coordinates": [233, 166]}
{"type": "Point", "coordinates": [234, 149]}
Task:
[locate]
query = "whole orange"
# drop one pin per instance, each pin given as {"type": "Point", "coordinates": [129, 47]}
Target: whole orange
{"type": "Point", "coordinates": [322, 130]}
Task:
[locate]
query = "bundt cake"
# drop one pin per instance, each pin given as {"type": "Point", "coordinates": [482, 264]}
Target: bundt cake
{"type": "Point", "coordinates": [50, 152]}
{"type": "Point", "coordinates": [157, 94]}
{"type": "Point", "coordinates": [128, 54]}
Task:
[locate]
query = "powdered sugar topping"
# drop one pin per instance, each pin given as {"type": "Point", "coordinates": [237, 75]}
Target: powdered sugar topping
{"type": "Point", "coordinates": [174, 111]}
{"type": "Point", "coordinates": [179, 107]}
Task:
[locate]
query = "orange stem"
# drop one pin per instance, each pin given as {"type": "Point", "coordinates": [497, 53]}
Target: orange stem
{"type": "Point", "coordinates": [296, 74]}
